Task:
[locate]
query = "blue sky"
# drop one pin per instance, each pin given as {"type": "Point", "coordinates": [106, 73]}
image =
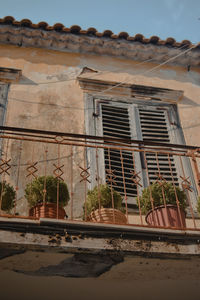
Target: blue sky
{"type": "Point", "coordinates": [165, 18]}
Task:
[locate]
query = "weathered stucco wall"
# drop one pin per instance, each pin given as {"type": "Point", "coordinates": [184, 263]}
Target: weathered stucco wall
{"type": "Point", "coordinates": [48, 106]}
{"type": "Point", "coordinates": [48, 97]}
{"type": "Point", "coordinates": [31, 102]}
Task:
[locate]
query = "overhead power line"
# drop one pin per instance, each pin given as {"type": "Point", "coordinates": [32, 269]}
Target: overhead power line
{"type": "Point", "coordinates": [110, 88]}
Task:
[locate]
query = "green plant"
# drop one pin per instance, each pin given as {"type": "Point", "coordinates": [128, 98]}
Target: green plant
{"type": "Point", "coordinates": [8, 196]}
{"type": "Point", "coordinates": [157, 196]}
{"type": "Point", "coordinates": [104, 194]}
{"type": "Point", "coordinates": [198, 205]}
{"type": "Point", "coordinates": [34, 191]}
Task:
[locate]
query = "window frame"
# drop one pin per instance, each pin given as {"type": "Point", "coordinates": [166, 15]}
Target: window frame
{"type": "Point", "coordinates": [93, 128]}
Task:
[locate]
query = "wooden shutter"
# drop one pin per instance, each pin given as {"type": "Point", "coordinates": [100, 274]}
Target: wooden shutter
{"type": "Point", "coordinates": [155, 126]}
{"type": "Point", "coordinates": [116, 124]}
{"type": "Point", "coordinates": [3, 101]}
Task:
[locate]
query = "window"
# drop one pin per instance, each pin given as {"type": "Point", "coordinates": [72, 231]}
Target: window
{"type": "Point", "coordinates": [155, 122]}
{"type": "Point", "coordinates": [145, 118]}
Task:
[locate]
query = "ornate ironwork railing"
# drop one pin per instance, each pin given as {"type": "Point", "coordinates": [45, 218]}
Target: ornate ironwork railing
{"type": "Point", "coordinates": [130, 167]}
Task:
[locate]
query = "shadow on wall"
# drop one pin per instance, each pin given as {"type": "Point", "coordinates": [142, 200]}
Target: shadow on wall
{"type": "Point", "coordinates": [191, 76]}
{"type": "Point", "coordinates": [187, 101]}
{"type": "Point", "coordinates": [92, 60]}
{"type": "Point", "coordinates": [25, 81]}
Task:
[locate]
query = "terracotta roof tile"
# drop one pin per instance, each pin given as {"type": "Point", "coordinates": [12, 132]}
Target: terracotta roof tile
{"type": "Point", "coordinates": [130, 38]}
{"type": "Point", "coordinates": [107, 33]}
{"type": "Point", "coordinates": [123, 35]}
{"type": "Point", "coordinates": [91, 30]}
{"type": "Point", "coordinates": [170, 41]}
{"type": "Point", "coordinates": [58, 26]}
{"type": "Point", "coordinates": [7, 20]}
{"type": "Point", "coordinates": [186, 42]}
{"type": "Point", "coordinates": [138, 37]}
{"type": "Point", "coordinates": [42, 25]}
{"type": "Point", "coordinates": [114, 36]}
{"type": "Point", "coordinates": [75, 29]}
{"type": "Point", "coordinates": [66, 30]}
{"type": "Point", "coordinates": [26, 23]}
{"type": "Point", "coordinates": [154, 39]}
{"type": "Point", "coordinates": [84, 32]}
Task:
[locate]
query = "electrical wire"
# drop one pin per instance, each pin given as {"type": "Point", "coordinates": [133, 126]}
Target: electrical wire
{"type": "Point", "coordinates": [100, 72]}
{"type": "Point", "coordinates": [172, 58]}
{"type": "Point", "coordinates": [48, 160]}
{"type": "Point", "coordinates": [50, 104]}
{"type": "Point", "coordinates": [70, 107]}
{"type": "Point", "coordinates": [112, 87]}
{"type": "Point", "coordinates": [151, 70]}
{"type": "Point", "coordinates": [97, 73]}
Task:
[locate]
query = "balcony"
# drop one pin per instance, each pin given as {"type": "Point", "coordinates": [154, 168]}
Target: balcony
{"type": "Point", "coordinates": [88, 162]}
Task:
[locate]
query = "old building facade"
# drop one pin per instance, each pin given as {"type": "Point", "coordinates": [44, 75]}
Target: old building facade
{"type": "Point", "coordinates": [95, 108]}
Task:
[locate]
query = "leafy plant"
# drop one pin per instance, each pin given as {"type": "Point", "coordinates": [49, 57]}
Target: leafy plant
{"type": "Point", "coordinates": [198, 205]}
{"type": "Point", "coordinates": [157, 195]}
{"type": "Point", "coordinates": [104, 194]}
{"type": "Point", "coordinates": [34, 191]}
{"type": "Point", "coordinates": [8, 196]}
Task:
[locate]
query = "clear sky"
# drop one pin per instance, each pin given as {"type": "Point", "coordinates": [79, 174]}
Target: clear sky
{"type": "Point", "coordinates": [165, 18]}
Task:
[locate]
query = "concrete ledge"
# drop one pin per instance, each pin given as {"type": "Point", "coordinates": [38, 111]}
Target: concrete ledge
{"type": "Point", "coordinates": [77, 237]}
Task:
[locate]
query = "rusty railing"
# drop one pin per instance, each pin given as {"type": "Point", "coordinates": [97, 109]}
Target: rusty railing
{"type": "Point", "coordinates": [129, 167]}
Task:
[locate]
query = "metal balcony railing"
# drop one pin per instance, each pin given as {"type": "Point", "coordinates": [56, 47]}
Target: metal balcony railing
{"type": "Point", "coordinates": [131, 168]}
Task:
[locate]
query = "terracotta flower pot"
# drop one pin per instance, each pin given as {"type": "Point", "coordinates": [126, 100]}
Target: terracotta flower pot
{"type": "Point", "coordinates": [166, 217]}
{"type": "Point", "coordinates": [49, 210]}
{"type": "Point", "coordinates": [105, 215]}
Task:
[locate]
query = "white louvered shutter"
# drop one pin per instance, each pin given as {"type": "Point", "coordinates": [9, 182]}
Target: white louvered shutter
{"type": "Point", "coordinates": [152, 124]}
{"type": "Point", "coordinates": [116, 124]}
{"type": "Point", "coordinates": [155, 127]}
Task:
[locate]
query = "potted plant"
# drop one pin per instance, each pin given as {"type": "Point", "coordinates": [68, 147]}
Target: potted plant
{"type": "Point", "coordinates": [99, 208]}
{"type": "Point", "coordinates": [169, 215]}
{"type": "Point", "coordinates": [198, 205]}
{"type": "Point", "coordinates": [8, 196]}
{"type": "Point", "coordinates": [42, 194]}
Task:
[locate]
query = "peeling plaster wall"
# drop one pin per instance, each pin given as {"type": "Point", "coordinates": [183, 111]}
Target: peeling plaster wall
{"type": "Point", "coordinates": [49, 97]}
{"type": "Point", "coordinates": [41, 66]}
{"type": "Point", "coordinates": [54, 106]}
